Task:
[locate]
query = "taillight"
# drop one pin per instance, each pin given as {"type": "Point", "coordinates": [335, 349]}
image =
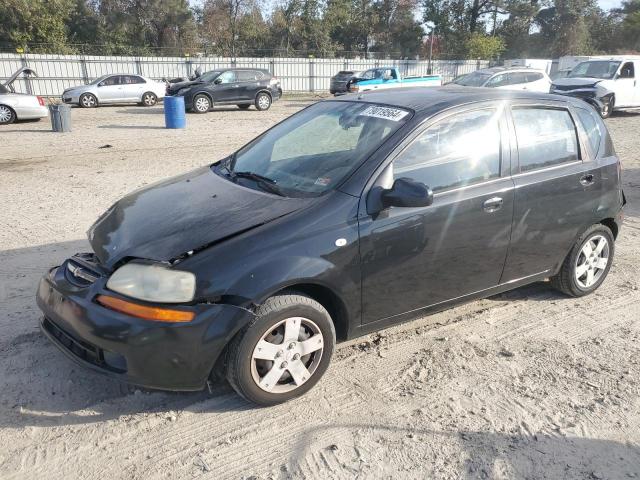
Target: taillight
{"type": "Point", "coordinates": [41, 101]}
{"type": "Point", "coordinates": [354, 87]}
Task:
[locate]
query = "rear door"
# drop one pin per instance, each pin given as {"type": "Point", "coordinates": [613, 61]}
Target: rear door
{"type": "Point", "coordinates": [248, 84]}
{"type": "Point", "coordinates": [556, 193]}
{"type": "Point", "coordinates": [417, 257]}
{"type": "Point", "coordinates": [133, 86]}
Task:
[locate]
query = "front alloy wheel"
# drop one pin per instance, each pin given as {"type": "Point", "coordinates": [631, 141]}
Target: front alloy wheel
{"type": "Point", "coordinates": [88, 100]}
{"type": "Point", "coordinates": [283, 351]}
{"type": "Point", "coordinates": [201, 104]}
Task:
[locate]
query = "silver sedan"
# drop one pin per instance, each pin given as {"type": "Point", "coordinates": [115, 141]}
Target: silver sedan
{"type": "Point", "coordinates": [20, 106]}
{"type": "Point", "coordinates": [119, 88]}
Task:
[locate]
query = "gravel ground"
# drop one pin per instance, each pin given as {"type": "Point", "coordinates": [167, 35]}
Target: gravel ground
{"type": "Point", "coordinates": [528, 384]}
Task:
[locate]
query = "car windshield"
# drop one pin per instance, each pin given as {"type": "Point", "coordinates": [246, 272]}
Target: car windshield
{"type": "Point", "coordinates": [475, 79]}
{"type": "Point", "coordinates": [99, 79]}
{"type": "Point", "coordinates": [210, 76]}
{"type": "Point", "coordinates": [313, 151]}
{"type": "Point", "coordinates": [595, 69]}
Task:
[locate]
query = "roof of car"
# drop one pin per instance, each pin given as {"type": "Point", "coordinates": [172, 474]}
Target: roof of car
{"type": "Point", "coordinates": [435, 99]}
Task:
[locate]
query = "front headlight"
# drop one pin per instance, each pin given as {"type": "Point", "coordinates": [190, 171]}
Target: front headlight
{"type": "Point", "coordinates": [153, 283]}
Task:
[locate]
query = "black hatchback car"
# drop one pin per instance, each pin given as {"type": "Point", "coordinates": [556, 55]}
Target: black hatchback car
{"type": "Point", "coordinates": [347, 217]}
{"type": "Point", "coordinates": [234, 86]}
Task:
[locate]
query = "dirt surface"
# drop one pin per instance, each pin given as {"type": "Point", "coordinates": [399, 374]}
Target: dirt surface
{"type": "Point", "coordinates": [529, 384]}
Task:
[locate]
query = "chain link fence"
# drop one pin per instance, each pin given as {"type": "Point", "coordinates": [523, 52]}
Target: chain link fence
{"type": "Point", "coordinates": [57, 72]}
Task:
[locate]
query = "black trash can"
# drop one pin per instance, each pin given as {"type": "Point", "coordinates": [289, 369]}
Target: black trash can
{"type": "Point", "coordinates": [60, 118]}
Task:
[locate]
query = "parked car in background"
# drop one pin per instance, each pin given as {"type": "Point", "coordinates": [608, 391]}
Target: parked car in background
{"type": "Point", "coordinates": [231, 86]}
{"type": "Point", "coordinates": [20, 106]}
{"type": "Point", "coordinates": [507, 78]}
{"type": "Point", "coordinates": [389, 77]}
{"type": "Point", "coordinates": [609, 84]}
{"type": "Point", "coordinates": [116, 88]}
{"type": "Point", "coordinates": [352, 215]}
{"type": "Point", "coordinates": [338, 85]}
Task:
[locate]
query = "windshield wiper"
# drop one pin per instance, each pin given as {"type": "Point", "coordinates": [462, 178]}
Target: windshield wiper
{"type": "Point", "coordinates": [266, 183]}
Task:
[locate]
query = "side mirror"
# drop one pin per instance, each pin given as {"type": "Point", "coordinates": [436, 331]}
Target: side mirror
{"type": "Point", "coordinates": [404, 193]}
{"type": "Point", "coordinates": [217, 81]}
{"type": "Point", "coordinates": [101, 84]}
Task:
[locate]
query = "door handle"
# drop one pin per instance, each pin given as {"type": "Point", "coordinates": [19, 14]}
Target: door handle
{"type": "Point", "coordinates": [587, 179]}
{"type": "Point", "coordinates": [492, 205]}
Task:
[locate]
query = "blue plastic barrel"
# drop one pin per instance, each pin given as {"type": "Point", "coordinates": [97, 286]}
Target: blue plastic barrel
{"type": "Point", "coordinates": [174, 114]}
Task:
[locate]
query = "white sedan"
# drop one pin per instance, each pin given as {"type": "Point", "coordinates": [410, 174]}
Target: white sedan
{"type": "Point", "coordinates": [119, 88]}
{"type": "Point", "coordinates": [20, 106]}
{"type": "Point", "coordinates": [507, 79]}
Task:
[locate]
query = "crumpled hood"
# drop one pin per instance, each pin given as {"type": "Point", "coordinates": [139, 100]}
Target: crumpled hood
{"type": "Point", "coordinates": [175, 87]}
{"type": "Point", "coordinates": [184, 213]}
{"type": "Point", "coordinates": [577, 82]}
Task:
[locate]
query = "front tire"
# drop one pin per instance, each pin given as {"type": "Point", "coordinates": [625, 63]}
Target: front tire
{"type": "Point", "coordinates": [283, 352]}
{"type": "Point", "coordinates": [201, 104]}
{"type": "Point", "coordinates": [607, 108]}
{"type": "Point", "coordinates": [7, 115]}
{"type": "Point", "coordinates": [149, 99]}
{"type": "Point", "coordinates": [88, 100]}
{"type": "Point", "coordinates": [587, 264]}
{"type": "Point", "coordinates": [263, 101]}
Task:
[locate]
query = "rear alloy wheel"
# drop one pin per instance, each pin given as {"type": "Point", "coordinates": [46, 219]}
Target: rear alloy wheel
{"type": "Point", "coordinates": [88, 100]}
{"type": "Point", "coordinates": [283, 352]}
{"type": "Point", "coordinates": [588, 263]}
{"type": "Point", "coordinates": [201, 104]}
{"type": "Point", "coordinates": [7, 115]}
{"type": "Point", "coordinates": [149, 99]}
{"type": "Point", "coordinates": [263, 101]}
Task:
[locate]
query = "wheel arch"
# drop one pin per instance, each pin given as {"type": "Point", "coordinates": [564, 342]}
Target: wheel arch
{"type": "Point", "coordinates": [202, 92]}
{"type": "Point", "coordinates": [612, 225]}
{"type": "Point", "coordinates": [263, 90]}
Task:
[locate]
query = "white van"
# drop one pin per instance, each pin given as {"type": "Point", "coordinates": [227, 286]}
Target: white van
{"type": "Point", "coordinates": [609, 83]}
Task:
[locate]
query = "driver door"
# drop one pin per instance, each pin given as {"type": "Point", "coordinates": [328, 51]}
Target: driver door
{"type": "Point", "coordinates": [415, 257]}
{"type": "Point", "coordinates": [226, 88]}
{"type": "Point", "coordinates": [625, 86]}
{"type": "Point", "coordinates": [110, 90]}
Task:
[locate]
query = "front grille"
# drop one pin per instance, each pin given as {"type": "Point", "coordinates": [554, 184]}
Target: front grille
{"type": "Point", "coordinates": [82, 270]}
{"type": "Point", "coordinates": [84, 350]}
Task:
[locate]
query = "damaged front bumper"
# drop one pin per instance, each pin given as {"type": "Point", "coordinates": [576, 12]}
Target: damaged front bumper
{"type": "Point", "coordinates": [166, 356]}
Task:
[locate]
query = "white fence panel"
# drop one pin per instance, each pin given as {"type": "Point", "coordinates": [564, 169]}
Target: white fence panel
{"type": "Point", "coordinates": [57, 72]}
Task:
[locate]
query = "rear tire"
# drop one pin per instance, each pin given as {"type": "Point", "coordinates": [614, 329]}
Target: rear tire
{"type": "Point", "coordinates": [263, 101]}
{"type": "Point", "coordinates": [149, 99]}
{"type": "Point", "coordinates": [7, 115]}
{"type": "Point", "coordinates": [201, 103]}
{"type": "Point", "coordinates": [88, 100]}
{"type": "Point", "coordinates": [283, 352]}
{"type": "Point", "coordinates": [587, 264]}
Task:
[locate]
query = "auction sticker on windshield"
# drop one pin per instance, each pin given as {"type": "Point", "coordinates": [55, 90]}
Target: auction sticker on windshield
{"type": "Point", "coordinates": [387, 113]}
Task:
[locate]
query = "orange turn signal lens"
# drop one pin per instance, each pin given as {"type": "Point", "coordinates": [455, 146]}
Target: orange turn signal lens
{"type": "Point", "coordinates": [142, 311]}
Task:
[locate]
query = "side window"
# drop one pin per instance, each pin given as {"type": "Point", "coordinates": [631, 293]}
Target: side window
{"type": "Point", "coordinates": [533, 76]}
{"type": "Point", "coordinates": [109, 81]}
{"type": "Point", "coordinates": [591, 126]}
{"type": "Point", "coordinates": [227, 77]}
{"type": "Point", "coordinates": [627, 71]}
{"type": "Point", "coordinates": [498, 80]}
{"type": "Point", "coordinates": [545, 137]}
{"type": "Point", "coordinates": [461, 150]}
{"type": "Point", "coordinates": [518, 77]}
{"type": "Point", "coordinates": [130, 80]}
{"type": "Point", "coordinates": [369, 74]}
{"type": "Point", "coordinates": [246, 76]}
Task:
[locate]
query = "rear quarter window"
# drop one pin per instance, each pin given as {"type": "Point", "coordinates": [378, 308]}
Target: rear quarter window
{"type": "Point", "coordinates": [545, 137]}
{"type": "Point", "coordinates": [591, 127]}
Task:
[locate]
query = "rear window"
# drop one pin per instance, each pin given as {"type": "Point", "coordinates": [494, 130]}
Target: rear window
{"type": "Point", "coordinates": [545, 136]}
{"type": "Point", "coordinates": [591, 127]}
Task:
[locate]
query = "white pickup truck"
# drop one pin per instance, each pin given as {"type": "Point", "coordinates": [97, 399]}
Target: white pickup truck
{"type": "Point", "coordinates": [609, 83]}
